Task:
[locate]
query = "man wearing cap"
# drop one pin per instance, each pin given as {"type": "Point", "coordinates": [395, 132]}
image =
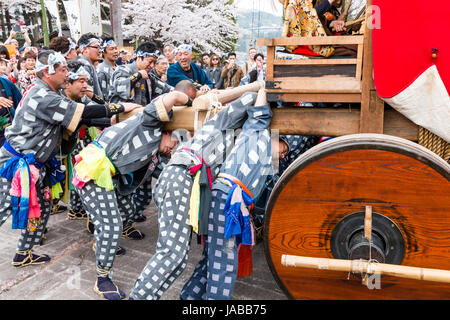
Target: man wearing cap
{"type": "Point", "coordinates": [90, 47]}
{"type": "Point", "coordinates": [108, 66]}
{"type": "Point", "coordinates": [184, 69]}
{"type": "Point", "coordinates": [32, 141]}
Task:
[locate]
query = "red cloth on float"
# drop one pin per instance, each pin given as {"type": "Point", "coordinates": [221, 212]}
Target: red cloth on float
{"type": "Point", "coordinates": [402, 46]}
{"type": "Point", "coordinates": [306, 51]}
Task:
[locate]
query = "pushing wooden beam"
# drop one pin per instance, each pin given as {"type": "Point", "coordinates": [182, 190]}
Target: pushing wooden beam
{"type": "Point", "coordinates": [305, 121]}
{"type": "Point", "coordinates": [363, 267]}
{"type": "Point", "coordinates": [204, 102]}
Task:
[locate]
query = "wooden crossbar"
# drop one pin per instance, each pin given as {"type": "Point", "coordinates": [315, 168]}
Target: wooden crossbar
{"type": "Point", "coordinates": [310, 41]}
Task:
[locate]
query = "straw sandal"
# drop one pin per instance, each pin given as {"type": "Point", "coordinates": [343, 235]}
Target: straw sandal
{"type": "Point", "coordinates": [27, 257]}
{"type": "Point", "coordinates": [105, 288]}
{"type": "Point", "coordinates": [130, 232]}
{"type": "Point", "coordinates": [77, 215]}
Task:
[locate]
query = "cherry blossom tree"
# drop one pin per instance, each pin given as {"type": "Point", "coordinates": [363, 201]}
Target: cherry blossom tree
{"type": "Point", "coordinates": [206, 25]}
{"type": "Point", "coordinates": [26, 5]}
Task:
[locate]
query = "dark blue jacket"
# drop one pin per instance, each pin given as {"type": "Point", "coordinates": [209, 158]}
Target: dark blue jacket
{"type": "Point", "coordinates": [176, 74]}
{"type": "Point", "coordinates": [10, 92]}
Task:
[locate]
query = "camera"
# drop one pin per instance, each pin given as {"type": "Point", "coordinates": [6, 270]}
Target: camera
{"type": "Point", "coordinates": [17, 28]}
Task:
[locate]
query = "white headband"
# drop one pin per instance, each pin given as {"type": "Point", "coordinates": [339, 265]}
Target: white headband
{"type": "Point", "coordinates": [182, 47]}
{"type": "Point", "coordinates": [80, 72]}
{"type": "Point", "coordinates": [72, 46]}
{"type": "Point", "coordinates": [147, 54]}
{"type": "Point", "coordinates": [107, 43]}
{"type": "Point", "coordinates": [82, 46]}
{"type": "Point", "coordinates": [53, 58]}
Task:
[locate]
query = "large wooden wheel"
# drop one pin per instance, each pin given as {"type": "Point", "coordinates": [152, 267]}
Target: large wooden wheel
{"type": "Point", "coordinates": [317, 210]}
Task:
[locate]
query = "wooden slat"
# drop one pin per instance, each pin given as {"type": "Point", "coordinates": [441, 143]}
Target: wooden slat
{"type": "Point", "coordinates": [312, 121]}
{"type": "Point", "coordinates": [270, 66]}
{"type": "Point", "coordinates": [322, 84]}
{"type": "Point", "coordinates": [398, 125]}
{"type": "Point", "coordinates": [320, 122]}
{"type": "Point", "coordinates": [316, 71]}
{"type": "Point", "coordinates": [289, 96]}
{"type": "Point", "coordinates": [316, 91]}
{"type": "Point", "coordinates": [359, 59]}
{"type": "Point", "coordinates": [292, 41]}
{"type": "Point", "coordinates": [282, 62]}
{"type": "Point", "coordinates": [372, 107]}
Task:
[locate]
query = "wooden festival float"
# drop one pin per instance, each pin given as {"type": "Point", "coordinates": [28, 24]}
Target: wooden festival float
{"type": "Point", "coordinates": [365, 215]}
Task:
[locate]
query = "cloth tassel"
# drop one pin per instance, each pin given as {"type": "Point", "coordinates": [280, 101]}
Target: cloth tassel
{"type": "Point", "coordinates": [205, 200]}
{"type": "Point", "coordinates": [94, 164]}
{"type": "Point", "coordinates": [200, 201]}
{"type": "Point", "coordinates": [238, 223]}
{"type": "Point", "coordinates": [245, 261]}
{"type": "Point", "coordinates": [57, 191]}
{"type": "Point", "coordinates": [25, 207]}
{"type": "Point", "coordinates": [33, 224]}
{"type": "Point", "coordinates": [19, 217]}
{"type": "Point", "coordinates": [194, 205]}
{"type": "Point", "coordinates": [23, 172]}
{"type": "Point", "coordinates": [93, 132]}
{"type": "Point", "coordinates": [66, 191]}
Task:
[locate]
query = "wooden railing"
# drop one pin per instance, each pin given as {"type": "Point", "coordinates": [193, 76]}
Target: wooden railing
{"type": "Point", "coordinates": [346, 80]}
{"type": "Point", "coordinates": [316, 79]}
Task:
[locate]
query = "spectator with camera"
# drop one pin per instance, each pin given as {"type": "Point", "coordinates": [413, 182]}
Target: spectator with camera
{"type": "Point", "coordinates": [27, 76]}
{"type": "Point", "coordinates": [18, 29]}
{"type": "Point", "coordinates": [257, 73]}
{"type": "Point", "coordinates": [233, 74]}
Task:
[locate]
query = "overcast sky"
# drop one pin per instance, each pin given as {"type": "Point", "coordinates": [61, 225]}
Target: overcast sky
{"type": "Point", "coordinates": [263, 5]}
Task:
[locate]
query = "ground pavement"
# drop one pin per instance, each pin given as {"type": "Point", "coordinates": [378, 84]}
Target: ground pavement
{"type": "Point", "coordinates": [70, 275]}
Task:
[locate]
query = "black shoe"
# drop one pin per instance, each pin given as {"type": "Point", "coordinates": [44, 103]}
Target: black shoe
{"type": "Point", "coordinates": [26, 258]}
{"type": "Point", "coordinates": [90, 226]}
{"type": "Point", "coordinates": [141, 218]}
{"type": "Point", "coordinates": [130, 232]}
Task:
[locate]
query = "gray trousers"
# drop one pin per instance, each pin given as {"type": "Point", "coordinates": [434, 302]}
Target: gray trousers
{"type": "Point", "coordinates": [27, 239]}
{"type": "Point", "coordinates": [172, 195]}
{"type": "Point", "coordinates": [215, 275]}
{"type": "Point", "coordinates": [108, 211]}
{"type": "Point", "coordinates": [142, 197]}
{"type": "Point", "coordinates": [75, 202]}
